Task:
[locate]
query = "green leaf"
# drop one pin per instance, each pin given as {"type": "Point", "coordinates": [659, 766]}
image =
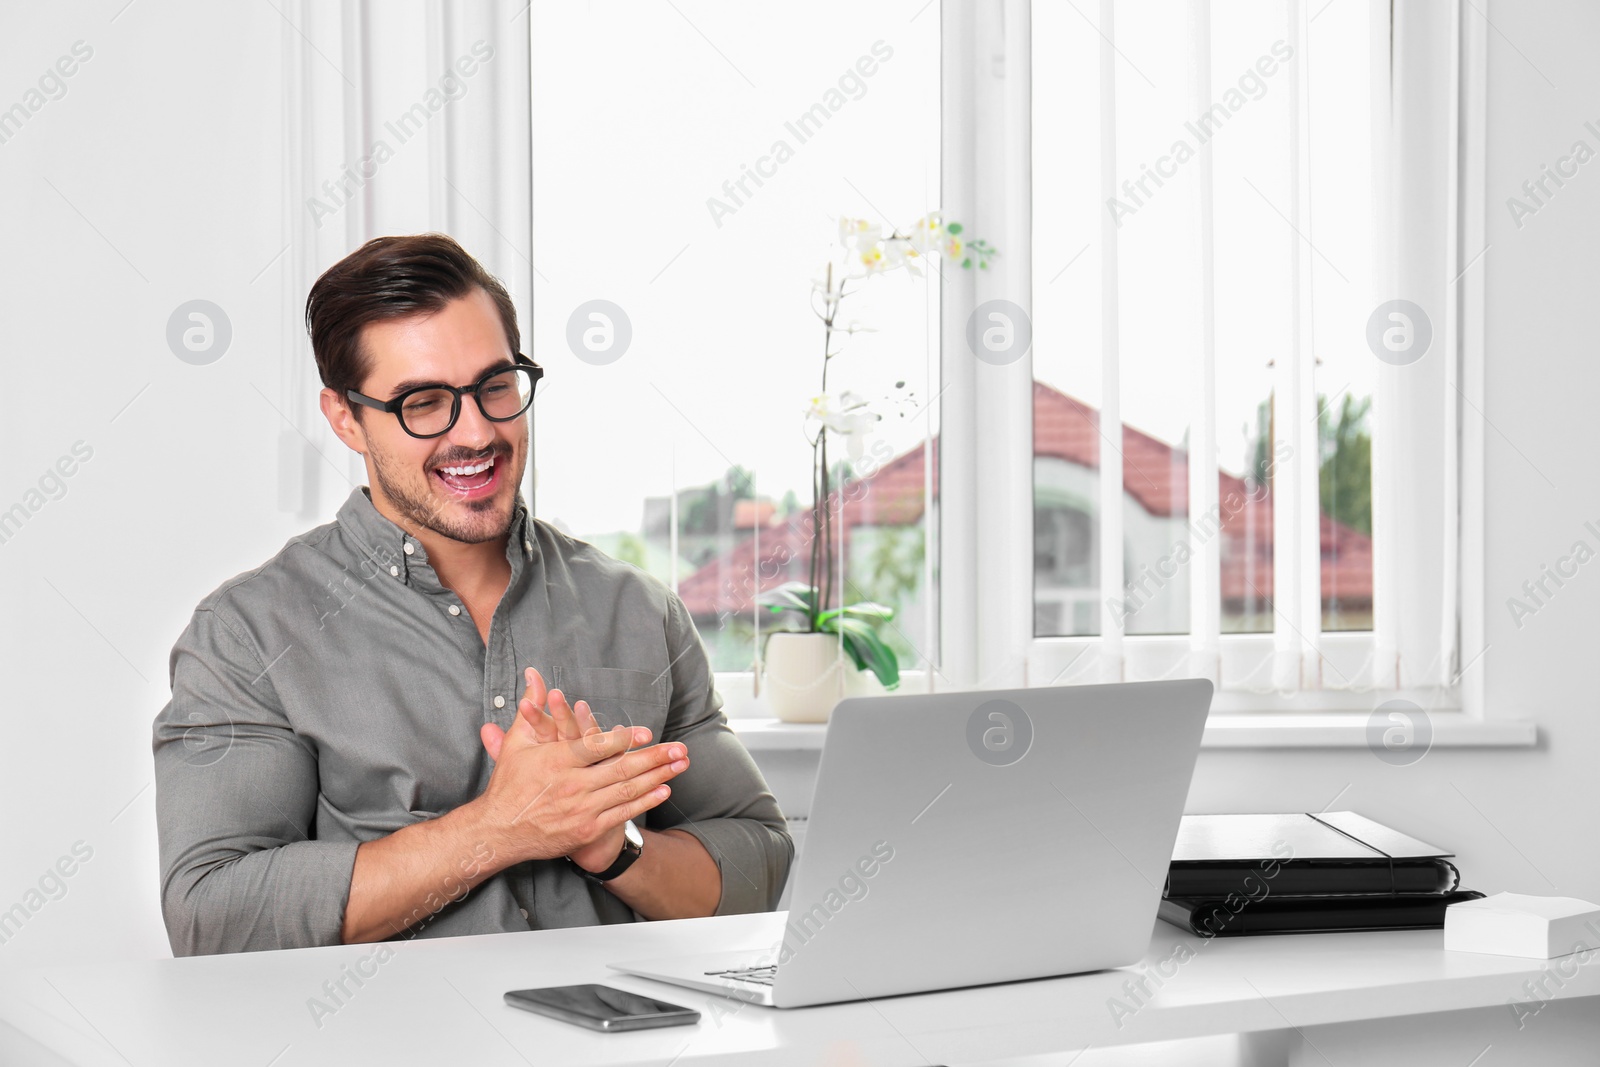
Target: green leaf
{"type": "Point", "coordinates": [954, 227]}
{"type": "Point", "coordinates": [866, 609]}
{"type": "Point", "coordinates": [876, 656]}
{"type": "Point", "coordinates": [791, 598]}
{"type": "Point", "coordinates": [966, 263]}
{"type": "Point", "coordinates": [853, 650]}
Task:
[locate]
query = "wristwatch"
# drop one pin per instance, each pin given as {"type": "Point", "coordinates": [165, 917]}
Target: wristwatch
{"type": "Point", "coordinates": [632, 849]}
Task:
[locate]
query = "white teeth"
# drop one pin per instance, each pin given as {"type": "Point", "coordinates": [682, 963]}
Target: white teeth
{"type": "Point", "coordinates": [463, 472]}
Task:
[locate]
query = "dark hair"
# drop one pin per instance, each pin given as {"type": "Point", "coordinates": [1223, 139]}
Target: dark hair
{"type": "Point", "coordinates": [391, 278]}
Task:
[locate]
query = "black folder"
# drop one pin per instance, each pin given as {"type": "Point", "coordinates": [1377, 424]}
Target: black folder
{"type": "Point", "coordinates": [1231, 917]}
{"type": "Point", "coordinates": [1303, 855]}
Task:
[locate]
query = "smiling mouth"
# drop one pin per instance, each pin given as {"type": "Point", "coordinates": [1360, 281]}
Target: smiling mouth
{"type": "Point", "coordinates": [469, 480]}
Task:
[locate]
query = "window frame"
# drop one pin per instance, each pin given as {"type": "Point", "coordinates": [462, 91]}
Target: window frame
{"type": "Point", "coordinates": [1005, 607]}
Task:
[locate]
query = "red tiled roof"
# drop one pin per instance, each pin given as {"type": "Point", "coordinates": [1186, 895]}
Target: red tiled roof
{"type": "Point", "coordinates": [748, 513]}
{"type": "Point", "coordinates": [1154, 473]}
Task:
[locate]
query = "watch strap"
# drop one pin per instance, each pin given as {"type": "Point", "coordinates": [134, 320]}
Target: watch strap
{"type": "Point", "coordinates": [625, 859]}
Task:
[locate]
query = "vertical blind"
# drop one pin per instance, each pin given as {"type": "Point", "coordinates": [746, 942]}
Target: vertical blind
{"type": "Point", "coordinates": [1267, 268]}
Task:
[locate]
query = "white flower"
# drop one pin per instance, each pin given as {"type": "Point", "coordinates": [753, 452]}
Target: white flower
{"type": "Point", "coordinates": [927, 234]}
{"type": "Point", "coordinates": [896, 252]}
{"type": "Point", "coordinates": [855, 234]}
{"type": "Point", "coordinates": [869, 259]}
{"type": "Point", "coordinates": [881, 256]}
{"type": "Point", "coordinates": [869, 251]}
{"type": "Point", "coordinates": [846, 413]}
{"type": "Point", "coordinates": [906, 255]}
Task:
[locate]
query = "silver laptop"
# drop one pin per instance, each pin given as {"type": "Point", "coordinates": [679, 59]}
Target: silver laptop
{"type": "Point", "coordinates": [959, 839]}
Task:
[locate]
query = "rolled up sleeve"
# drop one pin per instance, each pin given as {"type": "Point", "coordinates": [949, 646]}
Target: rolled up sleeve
{"type": "Point", "coordinates": [236, 802]}
{"type": "Point", "coordinates": [722, 799]}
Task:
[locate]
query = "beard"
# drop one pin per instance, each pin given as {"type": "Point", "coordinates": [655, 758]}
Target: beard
{"type": "Point", "coordinates": [423, 504]}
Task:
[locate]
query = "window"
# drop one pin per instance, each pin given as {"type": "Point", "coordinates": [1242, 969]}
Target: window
{"type": "Point", "coordinates": [700, 214]}
{"type": "Point", "coordinates": [1226, 476]}
{"type": "Point", "coordinates": [1201, 380]}
{"type": "Point", "coordinates": [1199, 275]}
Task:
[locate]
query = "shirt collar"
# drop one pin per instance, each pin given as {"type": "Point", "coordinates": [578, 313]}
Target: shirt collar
{"type": "Point", "coordinates": [402, 556]}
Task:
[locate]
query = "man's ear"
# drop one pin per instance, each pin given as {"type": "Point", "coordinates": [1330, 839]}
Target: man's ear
{"type": "Point", "coordinates": [336, 409]}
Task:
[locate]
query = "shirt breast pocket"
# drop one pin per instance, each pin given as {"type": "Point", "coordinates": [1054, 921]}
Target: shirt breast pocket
{"type": "Point", "coordinates": [618, 696]}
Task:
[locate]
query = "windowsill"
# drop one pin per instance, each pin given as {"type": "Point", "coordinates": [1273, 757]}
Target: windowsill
{"type": "Point", "coordinates": [774, 735]}
{"type": "Point", "coordinates": [1451, 729]}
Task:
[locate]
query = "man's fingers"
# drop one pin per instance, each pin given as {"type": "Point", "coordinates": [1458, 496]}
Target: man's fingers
{"type": "Point", "coordinates": [586, 720]}
{"type": "Point", "coordinates": [645, 760]}
{"type": "Point", "coordinates": [640, 785]}
{"type": "Point", "coordinates": [561, 713]}
{"type": "Point", "coordinates": [606, 744]}
{"type": "Point", "coordinates": [547, 709]}
{"type": "Point", "coordinates": [493, 738]}
{"type": "Point", "coordinates": [535, 723]}
{"type": "Point", "coordinates": [632, 809]}
{"type": "Point", "coordinates": [641, 738]}
{"type": "Point", "coordinates": [544, 730]}
{"type": "Point", "coordinates": [536, 690]}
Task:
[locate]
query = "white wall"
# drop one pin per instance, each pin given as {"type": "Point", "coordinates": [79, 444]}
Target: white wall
{"type": "Point", "coordinates": [154, 180]}
{"type": "Point", "coordinates": [169, 141]}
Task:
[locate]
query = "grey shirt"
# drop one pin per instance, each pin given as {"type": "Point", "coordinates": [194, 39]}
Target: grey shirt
{"type": "Point", "coordinates": [334, 695]}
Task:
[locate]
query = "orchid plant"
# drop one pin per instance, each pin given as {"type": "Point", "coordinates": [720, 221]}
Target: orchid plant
{"type": "Point", "coordinates": [864, 251]}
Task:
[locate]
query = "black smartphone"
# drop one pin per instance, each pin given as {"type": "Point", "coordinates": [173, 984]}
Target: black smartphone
{"type": "Point", "coordinates": [600, 1007]}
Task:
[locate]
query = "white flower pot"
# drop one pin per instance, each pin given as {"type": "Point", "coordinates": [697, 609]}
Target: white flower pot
{"type": "Point", "coordinates": [804, 675]}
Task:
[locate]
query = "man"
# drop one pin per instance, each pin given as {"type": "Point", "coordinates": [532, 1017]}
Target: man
{"type": "Point", "coordinates": [361, 744]}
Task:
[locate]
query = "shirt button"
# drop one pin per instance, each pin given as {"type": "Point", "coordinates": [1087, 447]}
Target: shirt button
{"type": "Point", "coordinates": [410, 548]}
{"type": "Point", "coordinates": [499, 702]}
{"type": "Point", "coordinates": [394, 572]}
{"type": "Point", "coordinates": [524, 912]}
{"type": "Point", "coordinates": [527, 546]}
{"type": "Point", "coordinates": [455, 609]}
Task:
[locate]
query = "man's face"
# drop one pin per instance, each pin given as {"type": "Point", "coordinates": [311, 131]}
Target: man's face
{"type": "Point", "coordinates": [454, 346]}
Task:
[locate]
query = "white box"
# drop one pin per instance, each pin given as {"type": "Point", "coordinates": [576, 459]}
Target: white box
{"type": "Point", "coordinates": [1514, 924]}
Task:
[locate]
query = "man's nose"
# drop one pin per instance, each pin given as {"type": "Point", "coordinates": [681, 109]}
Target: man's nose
{"type": "Point", "coordinates": [472, 430]}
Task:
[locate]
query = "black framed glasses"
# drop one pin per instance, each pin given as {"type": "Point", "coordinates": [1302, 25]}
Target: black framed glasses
{"type": "Point", "coordinates": [431, 410]}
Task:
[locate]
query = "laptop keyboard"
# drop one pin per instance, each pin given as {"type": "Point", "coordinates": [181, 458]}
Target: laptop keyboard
{"type": "Point", "coordinates": [757, 975]}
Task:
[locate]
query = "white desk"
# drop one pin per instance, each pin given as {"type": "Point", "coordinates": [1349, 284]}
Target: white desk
{"type": "Point", "coordinates": [1359, 999]}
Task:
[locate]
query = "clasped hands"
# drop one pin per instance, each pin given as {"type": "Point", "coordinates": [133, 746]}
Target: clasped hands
{"type": "Point", "coordinates": [562, 786]}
